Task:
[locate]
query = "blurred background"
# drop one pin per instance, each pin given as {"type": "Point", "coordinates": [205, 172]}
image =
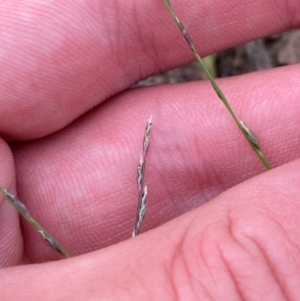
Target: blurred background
{"type": "Point", "coordinates": [277, 50]}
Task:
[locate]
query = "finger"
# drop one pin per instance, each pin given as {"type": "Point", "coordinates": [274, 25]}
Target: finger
{"type": "Point", "coordinates": [84, 177]}
{"type": "Point", "coordinates": [244, 245]}
{"type": "Point", "coordinates": [59, 60]}
{"type": "Point", "coordinates": [11, 244]}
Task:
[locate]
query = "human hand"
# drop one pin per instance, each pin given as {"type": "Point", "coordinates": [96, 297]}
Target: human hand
{"type": "Point", "coordinates": [58, 61]}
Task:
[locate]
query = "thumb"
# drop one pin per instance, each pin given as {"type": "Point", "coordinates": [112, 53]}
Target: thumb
{"type": "Point", "coordinates": [243, 245]}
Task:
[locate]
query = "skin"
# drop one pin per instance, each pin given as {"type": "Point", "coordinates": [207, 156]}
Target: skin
{"type": "Point", "coordinates": [71, 138]}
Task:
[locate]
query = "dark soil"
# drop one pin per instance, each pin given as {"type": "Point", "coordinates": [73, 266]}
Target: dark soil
{"type": "Point", "coordinates": [277, 50]}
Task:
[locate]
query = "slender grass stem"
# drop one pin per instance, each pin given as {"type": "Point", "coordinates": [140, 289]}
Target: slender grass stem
{"type": "Point", "coordinates": [20, 207]}
{"type": "Point", "coordinates": [142, 189]}
{"type": "Point", "coordinates": [246, 132]}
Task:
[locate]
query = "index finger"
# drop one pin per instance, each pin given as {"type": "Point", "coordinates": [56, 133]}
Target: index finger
{"type": "Point", "coordinates": [60, 59]}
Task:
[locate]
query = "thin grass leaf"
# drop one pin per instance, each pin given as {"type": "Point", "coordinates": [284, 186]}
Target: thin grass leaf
{"type": "Point", "coordinates": [21, 208]}
{"type": "Point", "coordinates": [142, 189]}
{"type": "Point", "coordinates": [244, 130]}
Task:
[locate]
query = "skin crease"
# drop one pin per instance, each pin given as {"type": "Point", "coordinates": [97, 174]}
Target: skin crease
{"type": "Point", "coordinates": [60, 59]}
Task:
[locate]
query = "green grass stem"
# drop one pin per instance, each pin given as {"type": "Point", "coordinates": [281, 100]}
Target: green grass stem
{"type": "Point", "coordinates": [246, 132]}
{"type": "Point", "coordinates": [20, 207]}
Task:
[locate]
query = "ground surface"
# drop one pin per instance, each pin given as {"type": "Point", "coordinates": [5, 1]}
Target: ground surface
{"type": "Point", "coordinates": [277, 50]}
